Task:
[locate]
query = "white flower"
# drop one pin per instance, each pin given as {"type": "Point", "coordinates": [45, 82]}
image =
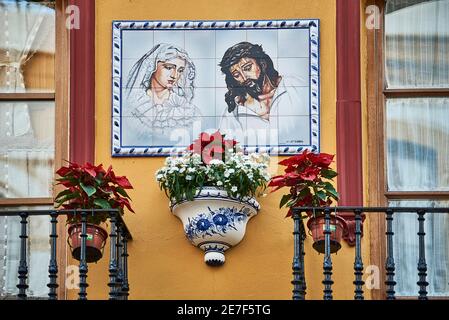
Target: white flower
{"type": "Point", "coordinates": [216, 162]}
{"type": "Point", "coordinates": [173, 169]}
{"type": "Point", "coordinates": [254, 156]}
{"type": "Point", "coordinates": [191, 170]}
{"type": "Point", "coordinates": [234, 189]}
{"type": "Point", "coordinates": [182, 170]}
{"type": "Point", "coordinates": [178, 161]}
{"type": "Point", "coordinates": [266, 157]}
{"type": "Point", "coordinates": [159, 177]}
{"type": "Point", "coordinates": [189, 177]}
{"type": "Point", "coordinates": [228, 172]}
{"type": "Point", "coordinates": [219, 183]}
{"type": "Point", "coordinates": [196, 158]}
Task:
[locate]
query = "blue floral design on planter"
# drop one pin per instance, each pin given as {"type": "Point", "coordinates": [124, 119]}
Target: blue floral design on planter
{"type": "Point", "coordinates": [215, 222]}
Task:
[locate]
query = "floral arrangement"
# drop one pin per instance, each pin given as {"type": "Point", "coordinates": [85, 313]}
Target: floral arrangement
{"type": "Point", "coordinates": [308, 176]}
{"type": "Point", "coordinates": [91, 187]}
{"type": "Point", "coordinates": [212, 160]}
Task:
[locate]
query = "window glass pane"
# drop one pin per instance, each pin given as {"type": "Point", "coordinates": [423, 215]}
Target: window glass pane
{"type": "Point", "coordinates": [27, 46]}
{"type": "Point", "coordinates": [406, 249]}
{"type": "Point", "coordinates": [417, 44]}
{"type": "Point", "coordinates": [26, 149]}
{"type": "Point", "coordinates": [38, 253]}
{"type": "Point", "coordinates": [417, 133]}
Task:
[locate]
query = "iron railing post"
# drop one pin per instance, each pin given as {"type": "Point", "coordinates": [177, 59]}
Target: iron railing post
{"type": "Point", "coordinates": [422, 265]}
{"type": "Point", "coordinates": [53, 267]}
{"type": "Point", "coordinates": [83, 263]}
{"type": "Point", "coordinates": [358, 263]}
{"type": "Point", "coordinates": [23, 266]}
{"type": "Point", "coordinates": [327, 264]}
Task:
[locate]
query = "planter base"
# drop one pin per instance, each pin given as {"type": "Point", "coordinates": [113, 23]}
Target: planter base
{"type": "Point", "coordinates": [320, 246]}
{"type": "Point", "coordinates": [214, 253]}
{"type": "Point", "coordinates": [214, 259]}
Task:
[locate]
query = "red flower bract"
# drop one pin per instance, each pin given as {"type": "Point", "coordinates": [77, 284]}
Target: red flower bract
{"type": "Point", "coordinates": [306, 175]}
{"type": "Point", "coordinates": [122, 182]}
{"type": "Point", "coordinates": [310, 174]}
{"type": "Point", "coordinates": [212, 146]}
{"type": "Point", "coordinates": [91, 187]}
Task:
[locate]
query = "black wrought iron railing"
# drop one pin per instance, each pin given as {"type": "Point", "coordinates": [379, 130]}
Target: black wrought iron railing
{"type": "Point", "coordinates": [299, 233]}
{"type": "Point", "coordinates": [118, 254]}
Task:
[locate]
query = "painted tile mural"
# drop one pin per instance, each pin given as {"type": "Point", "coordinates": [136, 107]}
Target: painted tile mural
{"type": "Point", "coordinates": [256, 81]}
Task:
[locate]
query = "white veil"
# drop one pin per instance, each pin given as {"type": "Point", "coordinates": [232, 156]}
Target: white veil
{"type": "Point", "coordinates": [143, 69]}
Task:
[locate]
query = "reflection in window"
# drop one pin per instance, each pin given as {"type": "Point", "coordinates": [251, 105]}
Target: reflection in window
{"type": "Point", "coordinates": [417, 43]}
{"type": "Point", "coordinates": [27, 137]}
{"type": "Point", "coordinates": [26, 149]}
{"type": "Point", "coordinates": [418, 144]}
{"type": "Point", "coordinates": [27, 46]}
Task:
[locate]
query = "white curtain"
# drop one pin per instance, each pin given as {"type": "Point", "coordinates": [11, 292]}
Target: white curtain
{"type": "Point", "coordinates": [25, 28]}
{"type": "Point", "coordinates": [417, 43]}
{"type": "Point", "coordinates": [418, 144]}
{"type": "Point", "coordinates": [38, 253]}
{"type": "Point", "coordinates": [418, 149]}
{"type": "Point", "coordinates": [406, 249]}
{"type": "Point", "coordinates": [417, 129]}
{"type": "Point", "coordinates": [26, 140]}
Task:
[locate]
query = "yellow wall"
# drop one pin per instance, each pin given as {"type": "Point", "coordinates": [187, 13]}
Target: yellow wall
{"type": "Point", "coordinates": [163, 264]}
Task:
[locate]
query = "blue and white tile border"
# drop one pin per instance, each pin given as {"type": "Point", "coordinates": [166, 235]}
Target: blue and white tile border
{"type": "Point", "coordinates": [314, 65]}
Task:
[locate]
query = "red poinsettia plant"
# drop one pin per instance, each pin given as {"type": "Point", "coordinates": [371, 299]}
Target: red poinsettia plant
{"type": "Point", "coordinates": [213, 146]}
{"type": "Point", "coordinates": [308, 176]}
{"type": "Point", "coordinates": [92, 187]}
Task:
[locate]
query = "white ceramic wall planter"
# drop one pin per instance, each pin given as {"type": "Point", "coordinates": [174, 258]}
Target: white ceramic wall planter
{"type": "Point", "coordinates": [215, 222]}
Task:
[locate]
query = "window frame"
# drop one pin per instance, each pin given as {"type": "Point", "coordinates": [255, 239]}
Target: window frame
{"type": "Point", "coordinates": [377, 188]}
{"type": "Point", "coordinates": [60, 97]}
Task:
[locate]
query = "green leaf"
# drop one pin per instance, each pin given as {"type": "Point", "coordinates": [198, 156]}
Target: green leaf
{"type": "Point", "coordinates": [63, 193]}
{"type": "Point", "coordinates": [334, 194]}
{"type": "Point", "coordinates": [331, 190]}
{"type": "Point", "coordinates": [88, 189]}
{"type": "Point", "coordinates": [292, 202]}
{"type": "Point", "coordinates": [329, 173]}
{"type": "Point", "coordinates": [284, 200]}
{"type": "Point", "coordinates": [304, 192]}
{"type": "Point", "coordinates": [122, 192]}
{"type": "Point", "coordinates": [67, 197]}
{"type": "Point", "coordinates": [102, 203]}
{"type": "Point", "coordinates": [322, 195]}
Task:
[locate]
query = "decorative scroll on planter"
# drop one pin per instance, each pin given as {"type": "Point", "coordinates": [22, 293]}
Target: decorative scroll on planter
{"type": "Point", "coordinates": [349, 234]}
{"type": "Point", "coordinates": [215, 222]}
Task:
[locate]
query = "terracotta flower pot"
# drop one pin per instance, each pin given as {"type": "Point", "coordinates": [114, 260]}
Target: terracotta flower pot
{"type": "Point", "coordinates": [95, 241]}
{"type": "Point", "coordinates": [317, 226]}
